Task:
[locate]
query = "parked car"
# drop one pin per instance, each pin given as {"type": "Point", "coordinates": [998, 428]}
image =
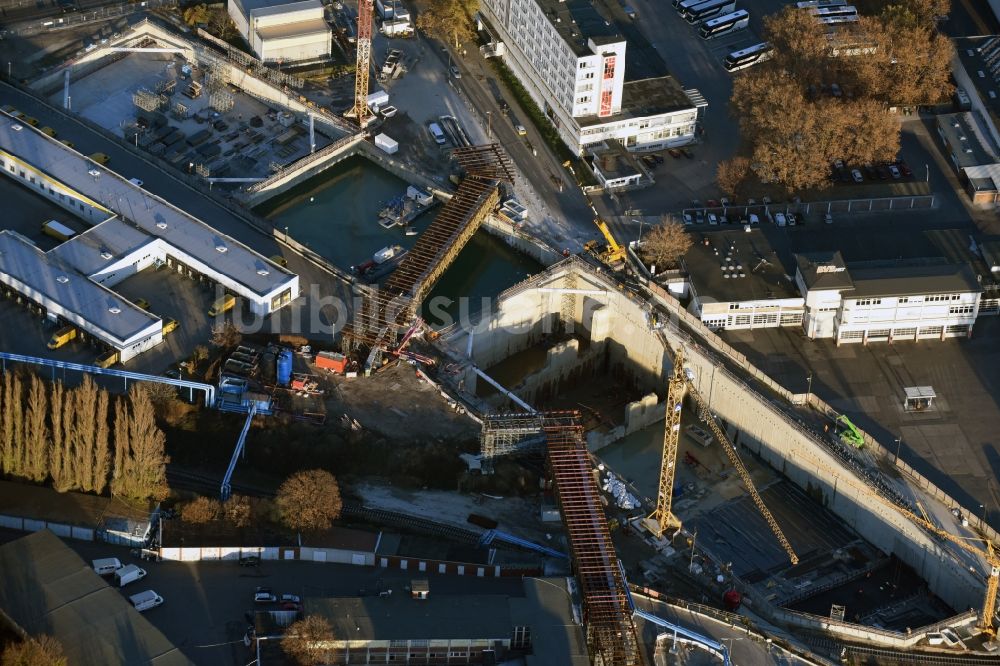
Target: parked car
{"type": "Point", "coordinates": [264, 595]}
{"type": "Point", "coordinates": [883, 173]}
{"type": "Point", "coordinates": [455, 73]}
{"type": "Point", "coordinates": [793, 219]}
{"type": "Point", "coordinates": [687, 153]}
{"type": "Point", "coordinates": [659, 158]}
{"type": "Point", "coordinates": [856, 175]}
{"type": "Point", "coordinates": [674, 153]}
{"type": "Point", "coordinates": [907, 171]}
{"type": "Point", "coordinates": [713, 218]}
{"type": "Point", "coordinates": [250, 561]}
{"type": "Point", "coordinates": [687, 218]}
{"type": "Point", "coordinates": [870, 172]}
{"type": "Point", "coordinates": [290, 606]}
{"type": "Point", "coordinates": [649, 161]}
{"type": "Point", "coordinates": [699, 217]}
{"type": "Point", "coordinates": [895, 172]}
{"type": "Point", "coordinates": [754, 219]}
{"type": "Point", "coordinates": [844, 175]}
{"type": "Point", "coordinates": [828, 218]}
{"type": "Point", "coordinates": [294, 598]}
{"type": "Point", "coordinates": [780, 219]}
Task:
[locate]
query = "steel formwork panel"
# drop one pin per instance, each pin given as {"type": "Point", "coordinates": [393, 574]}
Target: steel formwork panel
{"type": "Point", "coordinates": [611, 634]}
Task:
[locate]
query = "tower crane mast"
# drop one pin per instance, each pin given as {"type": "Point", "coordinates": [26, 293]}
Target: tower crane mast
{"type": "Point", "coordinates": [662, 518]}
{"type": "Point", "coordinates": [360, 110]}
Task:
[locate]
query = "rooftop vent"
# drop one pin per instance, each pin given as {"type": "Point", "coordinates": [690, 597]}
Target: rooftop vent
{"type": "Point", "coordinates": [968, 150]}
{"type": "Point", "coordinates": [114, 310]}
{"type": "Point", "coordinates": [962, 138]}
{"type": "Point", "coordinates": [956, 124]}
{"type": "Point", "coordinates": [221, 248]}
{"type": "Point", "coordinates": [62, 279]}
{"type": "Point", "coordinates": [106, 255]}
{"type": "Point", "coordinates": [161, 225]}
{"type": "Point", "coordinates": [262, 271]}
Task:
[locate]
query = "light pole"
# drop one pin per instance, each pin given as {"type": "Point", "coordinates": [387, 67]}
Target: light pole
{"type": "Point", "coordinates": [927, 173]}
{"type": "Point", "coordinates": [809, 384]}
{"type": "Point", "coordinates": [983, 519]}
{"type": "Point", "coordinates": [640, 230]}
{"type": "Point", "coordinates": [899, 444]}
{"type": "Point", "coordinates": [489, 124]}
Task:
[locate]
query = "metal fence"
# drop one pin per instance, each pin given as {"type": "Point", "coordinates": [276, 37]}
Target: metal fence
{"type": "Point", "coordinates": [72, 20]}
{"type": "Point", "coordinates": [767, 210]}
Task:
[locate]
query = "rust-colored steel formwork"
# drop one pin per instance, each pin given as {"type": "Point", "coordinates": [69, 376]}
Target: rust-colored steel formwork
{"type": "Point", "coordinates": [384, 311]}
{"type": "Point", "coordinates": [611, 634]}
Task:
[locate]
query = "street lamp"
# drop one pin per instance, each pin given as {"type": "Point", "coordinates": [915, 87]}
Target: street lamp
{"type": "Point", "coordinates": [927, 173]}
{"type": "Point", "coordinates": [809, 384]}
{"type": "Point", "coordinates": [489, 124]}
{"type": "Point", "coordinates": [899, 443]}
{"type": "Point", "coordinates": [983, 519]}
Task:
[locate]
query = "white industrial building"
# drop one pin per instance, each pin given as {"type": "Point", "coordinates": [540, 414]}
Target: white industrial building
{"type": "Point", "coordinates": [886, 303]}
{"type": "Point", "coordinates": [71, 282]}
{"type": "Point", "coordinates": [282, 31]}
{"type": "Point", "coordinates": [572, 63]}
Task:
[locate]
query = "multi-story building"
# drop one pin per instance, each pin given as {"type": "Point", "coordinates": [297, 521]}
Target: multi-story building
{"type": "Point", "coordinates": [283, 31]}
{"type": "Point", "coordinates": [572, 63]}
{"type": "Point", "coordinates": [886, 303]}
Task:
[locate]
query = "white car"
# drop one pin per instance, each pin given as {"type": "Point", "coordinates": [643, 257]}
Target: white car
{"type": "Point", "coordinates": [856, 175]}
{"type": "Point", "coordinates": [828, 218]}
{"type": "Point", "coordinates": [895, 172]}
{"type": "Point", "coordinates": [454, 72]}
{"type": "Point", "coordinates": [713, 218]}
{"type": "Point", "coordinates": [294, 598]}
{"type": "Point", "coordinates": [264, 595]}
{"type": "Point", "coordinates": [779, 219]}
{"type": "Point", "coordinates": [688, 219]}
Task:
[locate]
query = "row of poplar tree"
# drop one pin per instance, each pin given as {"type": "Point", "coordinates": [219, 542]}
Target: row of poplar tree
{"type": "Point", "coordinates": [81, 438]}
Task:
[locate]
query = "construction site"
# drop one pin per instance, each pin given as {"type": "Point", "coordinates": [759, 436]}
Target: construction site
{"type": "Point", "coordinates": [680, 486]}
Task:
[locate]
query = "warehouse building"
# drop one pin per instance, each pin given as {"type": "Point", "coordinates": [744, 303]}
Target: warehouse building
{"type": "Point", "coordinates": [46, 588]}
{"type": "Point", "coordinates": [572, 63]}
{"type": "Point", "coordinates": [539, 620]}
{"type": "Point", "coordinates": [282, 31]}
{"type": "Point", "coordinates": [71, 282]}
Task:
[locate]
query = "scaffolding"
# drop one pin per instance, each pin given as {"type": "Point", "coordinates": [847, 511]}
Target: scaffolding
{"type": "Point", "coordinates": [221, 100]}
{"type": "Point", "coordinates": [148, 100]}
{"type": "Point", "coordinates": [612, 639]}
{"type": "Point", "coordinates": [510, 434]}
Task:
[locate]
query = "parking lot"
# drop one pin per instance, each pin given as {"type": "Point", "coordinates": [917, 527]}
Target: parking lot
{"type": "Point", "coordinates": [205, 602]}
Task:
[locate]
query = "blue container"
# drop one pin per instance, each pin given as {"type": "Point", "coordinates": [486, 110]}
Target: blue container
{"type": "Point", "coordinates": [285, 368]}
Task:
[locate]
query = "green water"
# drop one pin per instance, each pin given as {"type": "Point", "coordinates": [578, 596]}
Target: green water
{"type": "Point", "coordinates": [637, 458]}
{"type": "Point", "coordinates": [336, 215]}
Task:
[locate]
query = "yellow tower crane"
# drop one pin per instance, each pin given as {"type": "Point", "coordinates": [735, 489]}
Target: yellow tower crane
{"type": "Point", "coordinates": [990, 554]}
{"type": "Point", "coordinates": [662, 518]}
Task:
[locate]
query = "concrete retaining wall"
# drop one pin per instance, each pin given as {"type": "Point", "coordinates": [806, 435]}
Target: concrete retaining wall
{"type": "Point", "coordinates": [519, 240]}
{"type": "Point", "coordinates": [623, 322]}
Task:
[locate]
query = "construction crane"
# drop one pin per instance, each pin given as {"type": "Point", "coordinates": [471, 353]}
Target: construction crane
{"type": "Point", "coordinates": [360, 111]}
{"type": "Point", "coordinates": [682, 380]}
{"type": "Point", "coordinates": [613, 253]}
{"type": "Point", "coordinates": [990, 554]}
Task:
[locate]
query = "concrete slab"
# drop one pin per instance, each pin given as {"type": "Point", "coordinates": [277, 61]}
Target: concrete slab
{"type": "Point", "coordinates": [955, 445]}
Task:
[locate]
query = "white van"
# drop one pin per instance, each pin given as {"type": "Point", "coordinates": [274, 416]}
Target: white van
{"type": "Point", "coordinates": [146, 600]}
{"type": "Point", "coordinates": [129, 574]}
{"type": "Point", "coordinates": [437, 134]}
{"type": "Point", "coordinates": [106, 566]}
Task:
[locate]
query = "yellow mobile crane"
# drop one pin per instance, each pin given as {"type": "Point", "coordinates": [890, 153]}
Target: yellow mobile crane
{"type": "Point", "coordinates": [614, 253]}
{"type": "Point", "coordinates": [662, 518]}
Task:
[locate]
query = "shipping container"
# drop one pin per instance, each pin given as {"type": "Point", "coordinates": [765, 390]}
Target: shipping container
{"type": "Point", "coordinates": [331, 361]}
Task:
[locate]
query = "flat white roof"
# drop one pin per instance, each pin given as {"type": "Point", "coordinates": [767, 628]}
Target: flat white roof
{"type": "Point", "coordinates": [100, 246]}
{"type": "Point", "coordinates": [220, 253]}
{"type": "Point", "coordinates": [51, 279]}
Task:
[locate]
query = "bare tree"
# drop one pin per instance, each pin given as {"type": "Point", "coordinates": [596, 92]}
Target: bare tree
{"type": "Point", "coordinates": [34, 651]}
{"type": "Point", "coordinates": [36, 446]}
{"type": "Point", "coordinates": [119, 470]}
{"type": "Point", "coordinates": [666, 244]}
{"type": "Point", "coordinates": [448, 20]}
{"type": "Point", "coordinates": [238, 510]}
{"type": "Point", "coordinates": [70, 469]}
{"type": "Point", "coordinates": [102, 437]}
{"type": "Point", "coordinates": [15, 408]}
{"type": "Point", "coordinates": [309, 500]}
{"type": "Point", "coordinates": [11, 407]}
{"type": "Point", "coordinates": [731, 173]}
{"type": "Point", "coordinates": [57, 452]}
{"type": "Point", "coordinates": [84, 402]}
{"type": "Point", "coordinates": [309, 641]}
{"type": "Point", "coordinates": [201, 510]}
{"type": "Point", "coordinates": [225, 335]}
{"type": "Point", "coordinates": [140, 458]}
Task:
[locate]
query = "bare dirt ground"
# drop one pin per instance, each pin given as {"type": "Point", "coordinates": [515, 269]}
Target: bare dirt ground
{"type": "Point", "coordinates": [397, 404]}
{"type": "Point", "coordinates": [516, 515]}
